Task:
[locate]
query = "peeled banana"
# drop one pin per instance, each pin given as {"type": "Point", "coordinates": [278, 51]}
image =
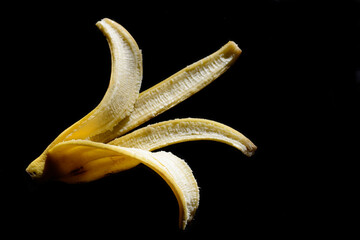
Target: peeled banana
{"type": "Point", "coordinates": [97, 145]}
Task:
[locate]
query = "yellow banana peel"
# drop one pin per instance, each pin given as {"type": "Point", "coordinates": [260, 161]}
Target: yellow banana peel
{"type": "Point", "coordinates": [99, 144]}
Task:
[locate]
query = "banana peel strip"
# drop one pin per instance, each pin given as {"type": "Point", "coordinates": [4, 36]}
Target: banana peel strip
{"type": "Point", "coordinates": [118, 101]}
{"type": "Point", "coordinates": [175, 89]}
{"type": "Point", "coordinates": [83, 161]}
{"type": "Point", "coordinates": [97, 146]}
{"type": "Point", "coordinates": [163, 134]}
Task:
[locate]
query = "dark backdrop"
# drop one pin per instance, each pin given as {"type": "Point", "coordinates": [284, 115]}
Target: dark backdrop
{"type": "Point", "coordinates": [294, 92]}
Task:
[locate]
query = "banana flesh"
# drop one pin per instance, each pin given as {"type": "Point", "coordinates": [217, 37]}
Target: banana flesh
{"type": "Point", "coordinates": [99, 144]}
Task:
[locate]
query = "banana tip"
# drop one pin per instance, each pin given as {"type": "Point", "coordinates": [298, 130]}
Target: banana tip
{"type": "Point", "coordinates": [251, 149]}
{"type": "Point", "coordinates": [234, 47]}
{"type": "Point", "coordinates": [36, 168]}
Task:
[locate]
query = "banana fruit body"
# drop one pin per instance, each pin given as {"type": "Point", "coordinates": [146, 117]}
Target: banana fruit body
{"type": "Point", "coordinates": [97, 145]}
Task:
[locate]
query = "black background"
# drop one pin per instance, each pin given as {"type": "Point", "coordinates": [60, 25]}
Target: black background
{"type": "Point", "coordinates": [294, 91]}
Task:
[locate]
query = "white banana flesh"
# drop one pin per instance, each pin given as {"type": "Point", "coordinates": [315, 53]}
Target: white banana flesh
{"type": "Point", "coordinates": [99, 144]}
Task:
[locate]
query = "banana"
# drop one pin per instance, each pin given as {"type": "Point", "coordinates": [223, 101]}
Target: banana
{"type": "Point", "coordinates": [100, 144]}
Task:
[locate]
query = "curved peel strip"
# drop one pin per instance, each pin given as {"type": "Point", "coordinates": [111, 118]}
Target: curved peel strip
{"type": "Point", "coordinates": [119, 99]}
{"type": "Point", "coordinates": [124, 87]}
{"type": "Point", "coordinates": [82, 161]}
{"type": "Point", "coordinates": [175, 89]}
{"type": "Point", "coordinates": [165, 133]}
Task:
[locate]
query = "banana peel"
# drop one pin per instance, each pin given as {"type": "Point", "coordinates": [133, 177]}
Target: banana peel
{"type": "Point", "coordinates": [99, 144]}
